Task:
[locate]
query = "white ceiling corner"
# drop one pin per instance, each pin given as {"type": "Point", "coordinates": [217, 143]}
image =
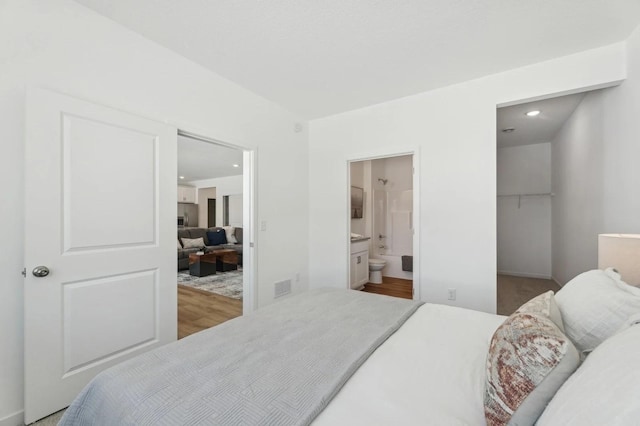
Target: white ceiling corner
{"type": "Point", "coordinates": [198, 160]}
{"type": "Point", "coordinates": [321, 58]}
{"type": "Point", "coordinates": [554, 113]}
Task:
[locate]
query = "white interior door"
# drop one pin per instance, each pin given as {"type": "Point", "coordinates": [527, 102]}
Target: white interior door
{"type": "Point", "coordinates": [100, 215]}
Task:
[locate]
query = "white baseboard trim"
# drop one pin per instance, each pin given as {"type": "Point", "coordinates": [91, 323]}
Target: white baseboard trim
{"type": "Point", "coordinates": [15, 419]}
{"type": "Point", "coordinates": [556, 281]}
{"type": "Point", "coordinates": [526, 275]}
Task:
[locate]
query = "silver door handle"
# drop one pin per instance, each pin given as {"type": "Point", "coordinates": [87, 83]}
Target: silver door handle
{"type": "Point", "coordinates": [40, 271]}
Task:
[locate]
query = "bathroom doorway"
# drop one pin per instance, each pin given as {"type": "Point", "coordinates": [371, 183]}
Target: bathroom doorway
{"type": "Point", "coordinates": [382, 225]}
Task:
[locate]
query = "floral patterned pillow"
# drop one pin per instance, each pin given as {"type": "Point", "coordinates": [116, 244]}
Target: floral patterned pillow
{"type": "Point", "coordinates": [529, 359]}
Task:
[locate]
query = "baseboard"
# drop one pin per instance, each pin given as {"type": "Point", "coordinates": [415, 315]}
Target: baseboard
{"type": "Point", "coordinates": [526, 275]}
{"type": "Point", "coordinates": [556, 281]}
{"type": "Point", "coordinates": [15, 419]}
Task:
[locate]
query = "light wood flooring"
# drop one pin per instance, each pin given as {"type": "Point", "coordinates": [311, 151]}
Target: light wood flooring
{"type": "Point", "coordinates": [513, 292]}
{"type": "Point", "coordinates": [199, 310]}
{"type": "Point", "coordinates": [396, 287]}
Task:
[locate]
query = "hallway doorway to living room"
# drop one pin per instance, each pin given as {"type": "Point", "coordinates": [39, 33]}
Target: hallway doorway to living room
{"type": "Point", "coordinates": [212, 279]}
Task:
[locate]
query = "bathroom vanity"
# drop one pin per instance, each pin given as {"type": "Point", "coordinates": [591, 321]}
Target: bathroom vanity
{"type": "Point", "coordinates": [359, 265]}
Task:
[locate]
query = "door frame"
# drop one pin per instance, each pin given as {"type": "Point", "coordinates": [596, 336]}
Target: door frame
{"type": "Point", "coordinates": [375, 155]}
{"type": "Point", "coordinates": [249, 246]}
{"type": "Point", "coordinates": [215, 207]}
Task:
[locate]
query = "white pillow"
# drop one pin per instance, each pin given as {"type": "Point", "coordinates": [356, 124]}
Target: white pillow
{"type": "Point", "coordinates": [179, 245]}
{"type": "Point", "coordinates": [230, 231]}
{"type": "Point", "coordinates": [604, 390]}
{"type": "Point", "coordinates": [193, 242]}
{"type": "Point", "coordinates": [595, 305]}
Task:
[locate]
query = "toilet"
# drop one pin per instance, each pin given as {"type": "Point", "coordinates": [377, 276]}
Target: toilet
{"type": "Point", "coordinates": [375, 270]}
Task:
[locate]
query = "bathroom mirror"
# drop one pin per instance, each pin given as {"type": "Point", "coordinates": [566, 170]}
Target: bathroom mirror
{"type": "Point", "coordinates": [357, 202]}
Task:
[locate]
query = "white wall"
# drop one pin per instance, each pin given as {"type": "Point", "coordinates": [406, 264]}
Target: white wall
{"type": "Point", "coordinates": [235, 210]}
{"type": "Point", "coordinates": [397, 170]}
{"type": "Point", "coordinates": [203, 195]}
{"type": "Point", "coordinates": [595, 172]}
{"type": "Point", "coordinates": [228, 185]}
{"type": "Point", "coordinates": [454, 130]}
{"type": "Point", "coordinates": [524, 224]}
{"type": "Point", "coordinates": [60, 45]}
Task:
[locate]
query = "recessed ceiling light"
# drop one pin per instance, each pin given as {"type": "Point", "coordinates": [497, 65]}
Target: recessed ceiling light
{"type": "Point", "coordinates": [509, 130]}
{"type": "Point", "coordinates": [533, 113]}
{"type": "Point", "coordinates": [181, 177]}
{"type": "Point", "coordinates": [236, 165]}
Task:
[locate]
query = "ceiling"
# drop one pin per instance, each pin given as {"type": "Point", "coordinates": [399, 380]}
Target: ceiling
{"type": "Point", "coordinates": [318, 58]}
{"type": "Point", "coordinates": [554, 113]}
{"type": "Point", "coordinates": [199, 160]}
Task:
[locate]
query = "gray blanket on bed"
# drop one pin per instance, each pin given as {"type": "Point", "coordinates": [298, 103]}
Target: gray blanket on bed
{"type": "Point", "coordinates": [278, 366]}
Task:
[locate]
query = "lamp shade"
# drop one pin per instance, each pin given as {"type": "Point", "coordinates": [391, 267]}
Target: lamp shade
{"type": "Point", "coordinates": [622, 252]}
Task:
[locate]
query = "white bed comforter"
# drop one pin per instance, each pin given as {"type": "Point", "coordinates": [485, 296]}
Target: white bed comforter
{"type": "Point", "coordinates": [430, 372]}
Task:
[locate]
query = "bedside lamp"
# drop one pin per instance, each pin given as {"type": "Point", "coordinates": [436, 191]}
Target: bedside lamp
{"type": "Point", "coordinates": [622, 252]}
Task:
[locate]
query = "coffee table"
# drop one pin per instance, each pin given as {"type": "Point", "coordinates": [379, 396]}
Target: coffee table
{"type": "Point", "coordinates": [202, 265]}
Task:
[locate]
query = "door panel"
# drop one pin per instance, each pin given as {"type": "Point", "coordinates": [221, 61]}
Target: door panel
{"type": "Point", "coordinates": [93, 187]}
{"type": "Point", "coordinates": [123, 309]}
{"type": "Point", "coordinates": [100, 214]}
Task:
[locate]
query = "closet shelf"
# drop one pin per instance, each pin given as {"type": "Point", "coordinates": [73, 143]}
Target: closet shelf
{"type": "Point", "coordinates": [551, 194]}
{"type": "Point", "coordinates": [542, 194]}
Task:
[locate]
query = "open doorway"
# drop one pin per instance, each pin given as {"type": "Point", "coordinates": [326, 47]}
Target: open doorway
{"type": "Point", "coordinates": [211, 274]}
{"type": "Point", "coordinates": [381, 225]}
{"type": "Point", "coordinates": [547, 155]}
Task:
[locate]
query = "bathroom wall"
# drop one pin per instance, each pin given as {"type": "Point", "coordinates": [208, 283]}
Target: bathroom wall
{"type": "Point", "coordinates": [392, 213]}
{"type": "Point", "coordinates": [358, 226]}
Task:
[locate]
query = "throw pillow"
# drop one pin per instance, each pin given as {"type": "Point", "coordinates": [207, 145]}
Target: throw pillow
{"type": "Point", "coordinates": [179, 245]}
{"type": "Point", "coordinates": [546, 305]}
{"type": "Point", "coordinates": [595, 305]}
{"type": "Point", "coordinates": [193, 242]}
{"type": "Point", "coordinates": [230, 233]}
{"type": "Point", "coordinates": [604, 390]}
{"type": "Point", "coordinates": [216, 237]}
{"type": "Point", "coordinates": [529, 359]}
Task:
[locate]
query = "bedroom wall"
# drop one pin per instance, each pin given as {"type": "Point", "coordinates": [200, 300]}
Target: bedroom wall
{"type": "Point", "coordinates": [453, 129]}
{"type": "Point", "coordinates": [524, 232]}
{"type": "Point", "coordinates": [60, 45]}
{"type": "Point", "coordinates": [596, 173]}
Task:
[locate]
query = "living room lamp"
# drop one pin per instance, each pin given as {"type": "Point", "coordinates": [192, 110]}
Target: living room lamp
{"type": "Point", "coordinates": [622, 252]}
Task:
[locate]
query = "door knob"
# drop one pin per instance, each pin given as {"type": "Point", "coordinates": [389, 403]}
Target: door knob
{"type": "Point", "coordinates": [40, 271]}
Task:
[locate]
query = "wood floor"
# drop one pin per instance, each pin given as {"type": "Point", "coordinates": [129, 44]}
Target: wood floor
{"type": "Point", "coordinates": [513, 292]}
{"type": "Point", "coordinates": [199, 310]}
{"type": "Point", "coordinates": [396, 287]}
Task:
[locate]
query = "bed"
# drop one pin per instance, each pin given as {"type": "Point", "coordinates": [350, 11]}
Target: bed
{"type": "Point", "coordinates": [325, 357]}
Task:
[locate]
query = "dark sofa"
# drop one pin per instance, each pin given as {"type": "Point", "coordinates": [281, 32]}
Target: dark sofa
{"type": "Point", "coordinates": [192, 233]}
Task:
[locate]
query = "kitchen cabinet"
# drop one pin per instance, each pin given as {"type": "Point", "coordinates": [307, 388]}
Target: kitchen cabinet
{"type": "Point", "coordinates": [186, 194]}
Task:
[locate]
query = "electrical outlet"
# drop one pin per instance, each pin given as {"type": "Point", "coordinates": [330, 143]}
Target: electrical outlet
{"type": "Point", "coordinates": [281, 288]}
{"type": "Point", "coordinates": [452, 294]}
{"type": "Point", "coordinates": [263, 225]}
{"type": "Point", "coordinates": [297, 277]}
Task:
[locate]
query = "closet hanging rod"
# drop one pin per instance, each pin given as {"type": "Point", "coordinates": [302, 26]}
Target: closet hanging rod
{"type": "Point", "coordinates": [527, 195]}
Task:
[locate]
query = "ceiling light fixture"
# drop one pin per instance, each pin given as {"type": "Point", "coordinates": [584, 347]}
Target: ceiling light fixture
{"type": "Point", "coordinates": [236, 165]}
{"type": "Point", "coordinates": [181, 177]}
{"type": "Point", "coordinates": [509, 130]}
{"type": "Point", "coordinates": [533, 113]}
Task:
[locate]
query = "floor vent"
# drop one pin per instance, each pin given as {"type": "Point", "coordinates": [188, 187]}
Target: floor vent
{"type": "Point", "coordinates": [282, 288]}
